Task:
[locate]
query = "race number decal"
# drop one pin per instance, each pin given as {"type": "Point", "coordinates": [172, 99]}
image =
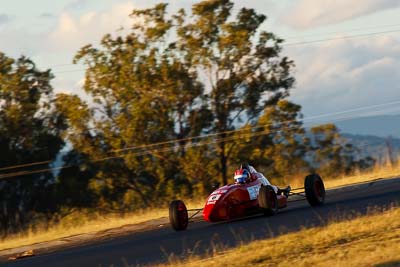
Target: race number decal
{"type": "Point", "coordinates": [253, 191]}
{"type": "Point", "coordinates": [213, 198]}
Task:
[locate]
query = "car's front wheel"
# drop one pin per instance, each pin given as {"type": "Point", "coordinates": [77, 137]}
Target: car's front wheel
{"type": "Point", "coordinates": [178, 215]}
{"type": "Point", "coordinates": [267, 200]}
{"type": "Point", "coordinates": [315, 189]}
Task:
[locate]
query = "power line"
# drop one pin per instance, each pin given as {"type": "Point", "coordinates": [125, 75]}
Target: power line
{"type": "Point", "coordinates": [341, 38]}
{"type": "Point", "coordinates": [25, 165]}
{"type": "Point", "coordinates": [285, 44]}
{"type": "Point", "coordinates": [342, 32]}
{"type": "Point", "coordinates": [232, 131]}
{"type": "Point", "coordinates": [309, 119]}
{"type": "Point", "coordinates": [148, 152]}
{"type": "Point", "coordinates": [291, 37]}
{"type": "Point", "coordinates": [357, 109]}
{"type": "Point", "coordinates": [255, 127]}
{"type": "Point", "coordinates": [166, 149]}
{"type": "Point", "coordinates": [68, 71]}
{"type": "Point", "coordinates": [62, 65]}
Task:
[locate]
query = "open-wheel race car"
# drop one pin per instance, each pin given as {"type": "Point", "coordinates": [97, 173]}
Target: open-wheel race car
{"type": "Point", "coordinates": [238, 200]}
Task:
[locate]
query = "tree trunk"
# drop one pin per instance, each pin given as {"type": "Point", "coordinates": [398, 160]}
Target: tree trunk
{"type": "Point", "coordinates": [181, 136]}
{"type": "Point", "coordinates": [133, 185]}
{"type": "Point", "coordinates": [223, 161]}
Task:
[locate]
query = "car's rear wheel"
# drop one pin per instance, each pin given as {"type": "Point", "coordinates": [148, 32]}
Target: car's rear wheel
{"type": "Point", "coordinates": [315, 189]}
{"type": "Point", "coordinates": [178, 215]}
{"type": "Point", "coordinates": [267, 200]}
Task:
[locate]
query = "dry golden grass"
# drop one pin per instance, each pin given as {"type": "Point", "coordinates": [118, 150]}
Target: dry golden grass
{"type": "Point", "coordinates": [378, 172]}
{"type": "Point", "coordinates": [83, 223]}
{"type": "Point", "coordinates": [364, 241]}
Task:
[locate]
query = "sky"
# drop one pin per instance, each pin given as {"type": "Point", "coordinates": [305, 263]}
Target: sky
{"type": "Point", "coordinates": [347, 53]}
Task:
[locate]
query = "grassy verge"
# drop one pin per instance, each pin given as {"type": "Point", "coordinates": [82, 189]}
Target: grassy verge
{"type": "Point", "coordinates": [80, 223]}
{"type": "Point", "coordinates": [371, 240]}
{"type": "Point", "coordinates": [378, 172]}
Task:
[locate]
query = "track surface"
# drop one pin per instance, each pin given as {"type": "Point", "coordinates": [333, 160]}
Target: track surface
{"type": "Point", "coordinates": [154, 246]}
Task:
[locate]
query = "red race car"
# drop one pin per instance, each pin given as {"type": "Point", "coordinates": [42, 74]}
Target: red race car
{"type": "Point", "coordinates": [243, 199]}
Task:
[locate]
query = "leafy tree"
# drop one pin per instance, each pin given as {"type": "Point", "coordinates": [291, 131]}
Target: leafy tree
{"type": "Point", "coordinates": [150, 86]}
{"type": "Point", "coordinates": [289, 143]}
{"type": "Point", "coordinates": [29, 132]}
{"type": "Point", "coordinates": [240, 63]}
{"type": "Point", "coordinates": [277, 144]}
{"type": "Point", "coordinates": [143, 93]}
{"type": "Point", "coordinates": [332, 154]}
{"type": "Point", "coordinates": [199, 166]}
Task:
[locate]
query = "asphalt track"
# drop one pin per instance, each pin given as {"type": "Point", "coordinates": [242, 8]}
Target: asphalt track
{"type": "Point", "coordinates": [155, 246]}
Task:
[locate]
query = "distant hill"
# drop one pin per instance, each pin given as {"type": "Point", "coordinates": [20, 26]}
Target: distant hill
{"type": "Point", "coordinates": [374, 146]}
{"type": "Point", "coordinates": [381, 126]}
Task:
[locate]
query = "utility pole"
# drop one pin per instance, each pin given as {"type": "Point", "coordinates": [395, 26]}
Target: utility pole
{"type": "Point", "coordinates": [389, 147]}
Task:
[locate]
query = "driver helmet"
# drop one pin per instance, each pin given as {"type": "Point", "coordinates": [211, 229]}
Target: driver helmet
{"type": "Point", "coordinates": [245, 166]}
{"type": "Point", "coordinates": [242, 176]}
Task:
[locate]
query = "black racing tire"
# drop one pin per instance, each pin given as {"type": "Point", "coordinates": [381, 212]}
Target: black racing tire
{"type": "Point", "coordinates": [178, 215]}
{"type": "Point", "coordinates": [267, 200]}
{"type": "Point", "coordinates": [315, 189]}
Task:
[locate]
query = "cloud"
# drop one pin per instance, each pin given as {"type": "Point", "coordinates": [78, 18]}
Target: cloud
{"type": "Point", "coordinates": [333, 76]}
{"type": "Point", "coordinates": [310, 13]}
{"type": "Point", "coordinates": [345, 74]}
{"type": "Point", "coordinates": [47, 16]}
{"type": "Point", "coordinates": [76, 5]}
{"type": "Point", "coordinates": [73, 32]}
{"type": "Point", "coordinates": [4, 18]}
{"type": "Point", "coordinates": [57, 43]}
{"type": "Point", "coordinates": [17, 41]}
